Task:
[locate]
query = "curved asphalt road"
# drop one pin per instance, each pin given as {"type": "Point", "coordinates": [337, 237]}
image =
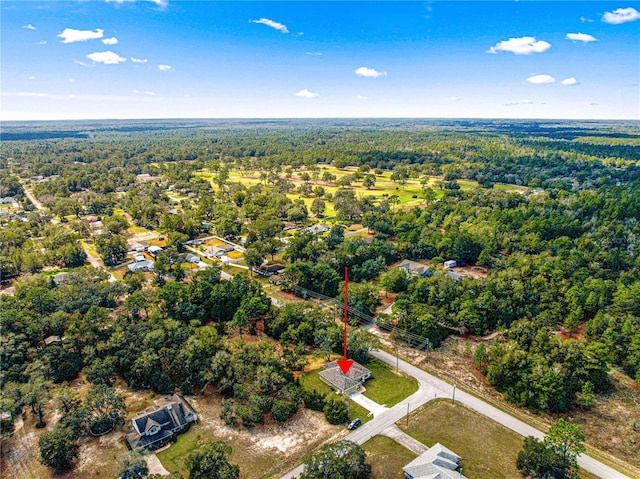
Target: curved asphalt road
{"type": "Point", "coordinates": [430, 388]}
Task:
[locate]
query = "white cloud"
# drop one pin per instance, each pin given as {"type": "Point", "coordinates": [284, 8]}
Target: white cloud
{"type": "Point", "coordinates": [569, 81]}
{"type": "Point", "coordinates": [621, 15]}
{"type": "Point", "coordinates": [70, 35]}
{"type": "Point", "coordinates": [30, 93]}
{"type": "Point", "coordinates": [146, 92]}
{"type": "Point", "coordinates": [307, 94]}
{"type": "Point", "coordinates": [28, 26]}
{"type": "Point", "coordinates": [42, 42]}
{"type": "Point", "coordinates": [110, 41]}
{"type": "Point", "coordinates": [586, 20]}
{"type": "Point", "coordinates": [519, 102]}
{"type": "Point", "coordinates": [138, 60]}
{"type": "Point", "coordinates": [270, 23]}
{"type": "Point", "coordinates": [108, 58]}
{"type": "Point", "coordinates": [361, 97]}
{"type": "Point", "coordinates": [159, 3]}
{"type": "Point", "coordinates": [32, 77]}
{"type": "Point", "coordinates": [165, 68]}
{"type": "Point", "coordinates": [71, 80]}
{"type": "Point", "coordinates": [581, 37]}
{"type": "Point", "coordinates": [455, 98]}
{"type": "Point", "coordinates": [369, 72]}
{"type": "Point", "coordinates": [315, 54]}
{"type": "Point", "coordinates": [521, 46]}
{"type": "Point", "coordinates": [541, 79]}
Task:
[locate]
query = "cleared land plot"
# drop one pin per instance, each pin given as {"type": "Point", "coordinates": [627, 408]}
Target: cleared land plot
{"type": "Point", "coordinates": [488, 450]}
{"type": "Point", "coordinates": [387, 457]}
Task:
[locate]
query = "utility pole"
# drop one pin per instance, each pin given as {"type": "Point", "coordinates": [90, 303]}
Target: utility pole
{"type": "Point", "coordinates": [397, 360]}
{"type": "Point", "coordinates": [453, 396]}
{"type": "Point", "coordinates": [407, 414]}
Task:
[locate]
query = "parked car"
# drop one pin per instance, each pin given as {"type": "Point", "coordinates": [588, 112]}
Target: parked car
{"type": "Point", "coordinates": [354, 424]}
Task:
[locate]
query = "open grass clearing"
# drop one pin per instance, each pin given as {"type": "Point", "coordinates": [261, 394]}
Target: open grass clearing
{"type": "Point", "coordinates": [386, 457]}
{"type": "Point", "coordinates": [488, 449]}
{"type": "Point", "coordinates": [386, 387]}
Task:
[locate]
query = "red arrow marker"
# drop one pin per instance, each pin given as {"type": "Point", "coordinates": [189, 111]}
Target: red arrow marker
{"type": "Point", "coordinates": [345, 364]}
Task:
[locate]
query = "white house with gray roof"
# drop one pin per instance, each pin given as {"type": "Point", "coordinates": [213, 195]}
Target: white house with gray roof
{"type": "Point", "coordinates": [344, 383]}
{"type": "Point", "coordinates": [437, 462]}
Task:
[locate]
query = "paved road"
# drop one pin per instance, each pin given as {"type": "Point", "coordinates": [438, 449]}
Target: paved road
{"type": "Point", "coordinates": [429, 388]}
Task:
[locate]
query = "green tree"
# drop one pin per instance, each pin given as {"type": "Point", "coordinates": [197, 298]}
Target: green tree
{"type": "Point", "coordinates": [342, 459]}
{"type": "Point", "coordinates": [369, 181]}
{"type": "Point", "coordinates": [131, 465]}
{"type": "Point", "coordinates": [318, 206]}
{"type": "Point", "coordinates": [112, 248]}
{"type": "Point", "coordinates": [58, 448]}
{"type": "Point", "coordinates": [211, 461]}
{"type": "Point", "coordinates": [104, 407]}
{"type": "Point", "coordinates": [335, 411]}
{"type": "Point", "coordinates": [566, 440]}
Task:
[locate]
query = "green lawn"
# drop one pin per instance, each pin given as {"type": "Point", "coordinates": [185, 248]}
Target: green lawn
{"type": "Point", "coordinates": [386, 387]}
{"type": "Point", "coordinates": [386, 457]}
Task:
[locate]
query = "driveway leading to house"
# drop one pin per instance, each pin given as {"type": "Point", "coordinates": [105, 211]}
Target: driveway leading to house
{"type": "Point", "coordinates": [367, 403]}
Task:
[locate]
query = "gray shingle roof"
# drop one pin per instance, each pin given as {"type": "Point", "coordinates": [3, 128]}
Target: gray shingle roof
{"type": "Point", "coordinates": [334, 376]}
{"type": "Point", "coordinates": [435, 462]}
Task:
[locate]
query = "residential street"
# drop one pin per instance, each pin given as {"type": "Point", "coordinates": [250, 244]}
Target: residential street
{"type": "Point", "coordinates": [430, 388]}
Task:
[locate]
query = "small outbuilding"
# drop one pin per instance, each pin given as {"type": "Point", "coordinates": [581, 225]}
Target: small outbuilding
{"type": "Point", "coordinates": [154, 250]}
{"type": "Point", "coordinates": [450, 264]}
{"type": "Point", "coordinates": [138, 257]}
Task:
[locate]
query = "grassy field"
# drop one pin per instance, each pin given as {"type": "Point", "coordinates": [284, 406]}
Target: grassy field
{"type": "Point", "coordinates": [387, 457]}
{"type": "Point", "coordinates": [409, 194]}
{"type": "Point", "coordinates": [386, 387]}
{"type": "Point", "coordinates": [488, 450]}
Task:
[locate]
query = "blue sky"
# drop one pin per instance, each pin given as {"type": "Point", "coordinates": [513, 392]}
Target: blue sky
{"type": "Point", "coordinates": [201, 59]}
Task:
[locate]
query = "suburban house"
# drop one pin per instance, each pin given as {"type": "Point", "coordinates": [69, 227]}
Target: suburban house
{"type": "Point", "coordinates": [344, 383]}
{"type": "Point", "coordinates": [153, 250]}
{"type": "Point", "coordinates": [414, 269]}
{"type": "Point", "coordinates": [450, 264]}
{"type": "Point", "coordinates": [159, 425]}
{"type": "Point", "coordinates": [218, 251]}
{"type": "Point", "coordinates": [318, 229]}
{"type": "Point", "coordinates": [437, 462]}
{"type": "Point", "coordinates": [141, 266]}
{"type": "Point", "coordinates": [192, 258]}
{"type": "Point", "coordinates": [268, 270]}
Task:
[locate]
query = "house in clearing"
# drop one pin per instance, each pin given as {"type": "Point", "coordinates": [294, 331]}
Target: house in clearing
{"type": "Point", "coordinates": [452, 263]}
{"type": "Point", "coordinates": [414, 269]}
{"type": "Point", "coordinates": [159, 425]}
{"type": "Point", "coordinates": [437, 462]}
{"type": "Point", "coordinates": [344, 383]}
